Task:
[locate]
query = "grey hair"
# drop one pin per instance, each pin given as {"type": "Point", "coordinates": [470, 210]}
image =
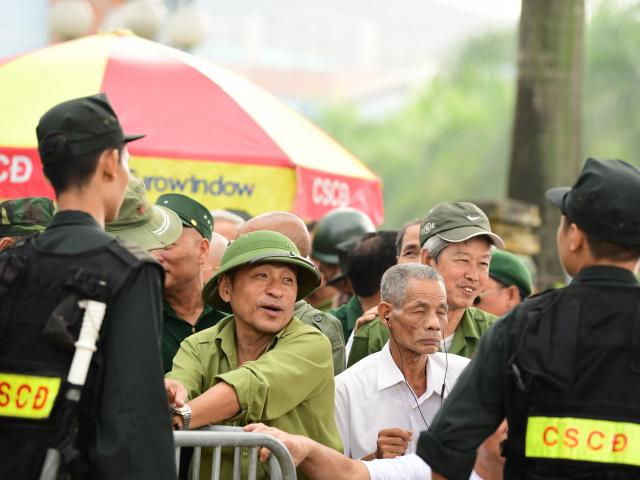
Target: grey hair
{"type": "Point", "coordinates": [394, 281]}
{"type": "Point", "coordinates": [435, 246]}
{"type": "Point", "coordinates": [228, 216]}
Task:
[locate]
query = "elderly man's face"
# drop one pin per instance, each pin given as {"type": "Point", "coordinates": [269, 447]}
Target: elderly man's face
{"type": "Point", "coordinates": [465, 269]}
{"type": "Point", "coordinates": [419, 324]}
{"type": "Point", "coordinates": [184, 259]}
{"type": "Point", "coordinates": [410, 250]}
{"type": "Point", "coordinates": [262, 296]}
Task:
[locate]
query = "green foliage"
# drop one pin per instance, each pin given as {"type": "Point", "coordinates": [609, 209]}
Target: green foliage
{"type": "Point", "coordinates": [453, 140]}
{"type": "Point", "coordinates": [612, 98]}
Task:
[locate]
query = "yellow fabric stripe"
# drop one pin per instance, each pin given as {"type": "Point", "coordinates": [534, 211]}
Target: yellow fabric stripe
{"type": "Point", "coordinates": [304, 143]}
{"type": "Point", "coordinates": [35, 82]}
{"type": "Point", "coordinates": [219, 185]}
{"type": "Point", "coordinates": [583, 439]}
{"type": "Point", "coordinates": [27, 396]}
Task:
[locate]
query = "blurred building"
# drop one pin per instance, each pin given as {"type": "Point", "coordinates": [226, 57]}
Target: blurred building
{"type": "Point", "coordinates": [369, 52]}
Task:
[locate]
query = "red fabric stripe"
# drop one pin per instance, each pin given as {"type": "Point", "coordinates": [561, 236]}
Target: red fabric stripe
{"type": "Point", "coordinates": [319, 192]}
{"type": "Point", "coordinates": [182, 112]}
{"type": "Point", "coordinates": [21, 174]}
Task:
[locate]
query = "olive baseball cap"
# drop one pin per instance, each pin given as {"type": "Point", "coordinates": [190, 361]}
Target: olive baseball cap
{"type": "Point", "coordinates": [143, 223]}
{"type": "Point", "coordinates": [24, 216]}
{"type": "Point", "coordinates": [88, 124]}
{"type": "Point", "coordinates": [457, 222]}
{"type": "Point", "coordinates": [261, 247]}
{"type": "Point", "coordinates": [604, 201]}
{"type": "Point", "coordinates": [507, 268]}
{"type": "Point", "coordinates": [192, 213]}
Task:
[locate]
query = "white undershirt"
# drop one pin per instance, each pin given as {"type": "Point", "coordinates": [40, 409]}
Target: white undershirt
{"type": "Point", "coordinates": [407, 467]}
{"type": "Point", "coordinates": [445, 345]}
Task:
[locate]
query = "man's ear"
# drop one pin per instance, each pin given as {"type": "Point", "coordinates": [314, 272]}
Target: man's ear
{"type": "Point", "coordinates": [6, 242]}
{"type": "Point", "coordinates": [224, 288]}
{"type": "Point", "coordinates": [384, 310]}
{"type": "Point", "coordinates": [514, 296]}
{"type": "Point", "coordinates": [108, 163]}
{"type": "Point", "coordinates": [203, 249]}
{"type": "Point", "coordinates": [426, 258]}
{"type": "Point", "coordinates": [577, 238]}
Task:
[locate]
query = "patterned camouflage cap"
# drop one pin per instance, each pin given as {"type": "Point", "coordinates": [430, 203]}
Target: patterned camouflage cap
{"type": "Point", "coordinates": [24, 216]}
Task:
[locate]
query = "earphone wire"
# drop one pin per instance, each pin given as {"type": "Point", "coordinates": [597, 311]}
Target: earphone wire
{"type": "Point", "coordinates": [446, 368]}
{"type": "Point", "coordinates": [404, 379]}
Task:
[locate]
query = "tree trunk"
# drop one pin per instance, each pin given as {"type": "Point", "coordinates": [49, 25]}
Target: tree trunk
{"type": "Point", "coordinates": [547, 129]}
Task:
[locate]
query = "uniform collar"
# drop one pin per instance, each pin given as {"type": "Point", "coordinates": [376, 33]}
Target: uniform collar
{"type": "Point", "coordinates": [389, 374]}
{"type": "Point", "coordinates": [169, 310]}
{"type": "Point", "coordinates": [226, 336]}
{"type": "Point", "coordinates": [600, 273]}
{"type": "Point", "coordinates": [73, 217]}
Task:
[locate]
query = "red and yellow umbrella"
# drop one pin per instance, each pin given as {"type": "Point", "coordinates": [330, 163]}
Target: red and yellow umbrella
{"type": "Point", "coordinates": [211, 134]}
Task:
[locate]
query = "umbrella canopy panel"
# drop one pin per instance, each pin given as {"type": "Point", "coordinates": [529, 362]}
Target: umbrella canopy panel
{"type": "Point", "coordinates": [210, 133]}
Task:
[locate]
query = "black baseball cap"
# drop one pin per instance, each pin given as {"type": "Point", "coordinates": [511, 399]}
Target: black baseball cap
{"type": "Point", "coordinates": [604, 201]}
{"type": "Point", "coordinates": [88, 124]}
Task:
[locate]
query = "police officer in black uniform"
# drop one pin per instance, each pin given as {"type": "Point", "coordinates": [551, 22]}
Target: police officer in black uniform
{"type": "Point", "coordinates": [564, 366]}
{"type": "Point", "coordinates": [120, 428]}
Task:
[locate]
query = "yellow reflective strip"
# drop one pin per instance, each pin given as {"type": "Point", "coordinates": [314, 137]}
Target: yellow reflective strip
{"type": "Point", "coordinates": [254, 189]}
{"type": "Point", "coordinates": [583, 439]}
{"type": "Point", "coordinates": [27, 396]}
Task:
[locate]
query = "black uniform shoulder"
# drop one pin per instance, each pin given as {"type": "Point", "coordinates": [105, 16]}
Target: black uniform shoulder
{"type": "Point", "coordinates": [131, 254]}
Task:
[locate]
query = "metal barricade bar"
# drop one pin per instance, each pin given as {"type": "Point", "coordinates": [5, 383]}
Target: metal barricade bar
{"type": "Point", "coordinates": [280, 463]}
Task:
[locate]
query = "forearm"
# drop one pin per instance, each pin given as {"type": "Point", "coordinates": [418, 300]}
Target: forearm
{"type": "Point", "coordinates": [217, 404]}
{"type": "Point", "coordinates": [324, 463]}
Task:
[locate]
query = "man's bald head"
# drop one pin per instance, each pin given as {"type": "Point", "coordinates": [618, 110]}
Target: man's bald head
{"type": "Point", "coordinates": [286, 223]}
{"type": "Point", "coordinates": [217, 246]}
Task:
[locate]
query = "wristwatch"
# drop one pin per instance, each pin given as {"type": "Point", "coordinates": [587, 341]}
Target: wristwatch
{"type": "Point", "coordinates": [185, 413]}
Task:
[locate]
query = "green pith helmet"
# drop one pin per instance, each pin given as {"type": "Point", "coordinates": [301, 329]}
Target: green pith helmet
{"type": "Point", "coordinates": [262, 247]}
{"type": "Point", "coordinates": [338, 226]}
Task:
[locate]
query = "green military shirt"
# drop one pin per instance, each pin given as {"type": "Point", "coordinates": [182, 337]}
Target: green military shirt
{"type": "Point", "coordinates": [327, 324]}
{"type": "Point", "coordinates": [348, 314]}
{"type": "Point", "coordinates": [175, 330]}
{"type": "Point", "coordinates": [290, 386]}
{"type": "Point", "coordinates": [372, 336]}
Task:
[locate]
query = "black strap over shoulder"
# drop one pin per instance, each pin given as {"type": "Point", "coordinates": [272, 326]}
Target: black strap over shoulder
{"type": "Point", "coordinates": [63, 325]}
{"type": "Point", "coordinates": [12, 268]}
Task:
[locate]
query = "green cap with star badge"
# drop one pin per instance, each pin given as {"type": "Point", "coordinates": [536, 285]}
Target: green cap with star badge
{"type": "Point", "coordinates": [24, 216]}
{"type": "Point", "coordinates": [262, 247]}
{"type": "Point", "coordinates": [192, 213]}
{"type": "Point", "coordinates": [143, 223]}
{"type": "Point", "coordinates": [457, 222]}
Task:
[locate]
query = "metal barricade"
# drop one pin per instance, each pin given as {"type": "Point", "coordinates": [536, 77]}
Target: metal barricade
{"type": "Point", "coordinates": [218, 436]}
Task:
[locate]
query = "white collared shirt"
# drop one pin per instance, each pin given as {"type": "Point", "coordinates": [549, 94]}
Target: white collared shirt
{"type": "Point", "coordinates": [372, 395]}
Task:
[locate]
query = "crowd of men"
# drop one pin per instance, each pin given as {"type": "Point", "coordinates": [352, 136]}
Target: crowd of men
{"type": "Point", "coordinates": [370, 353]}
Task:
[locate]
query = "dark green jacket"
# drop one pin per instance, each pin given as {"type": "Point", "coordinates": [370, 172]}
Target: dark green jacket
{"type": "Point", "coordinates": [327, 324]}
{"type": "Point", "coordinates": [348, 314]}
{"type": "Point", "coordinates": [175, 330]}
{"type": "Point", "coordinates": [372, 336]}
